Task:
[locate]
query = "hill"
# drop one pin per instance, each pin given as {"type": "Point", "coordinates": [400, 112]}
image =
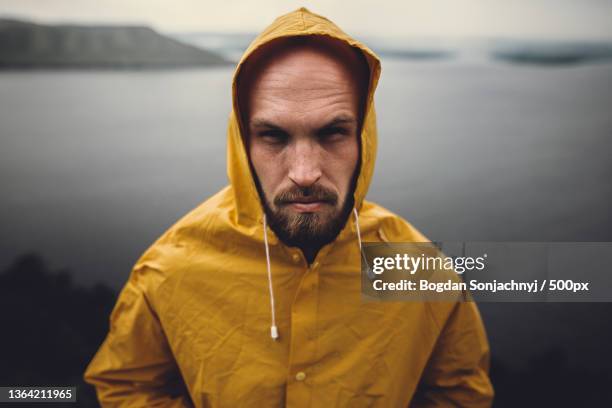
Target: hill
{"type": "Point", "coordinates": [29, 45]}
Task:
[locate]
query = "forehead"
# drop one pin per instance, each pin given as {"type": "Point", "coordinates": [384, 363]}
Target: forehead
{"type": "Point", "coordinates": [301, 78]}
{"type": "Point", "coordinates": [314, 87]}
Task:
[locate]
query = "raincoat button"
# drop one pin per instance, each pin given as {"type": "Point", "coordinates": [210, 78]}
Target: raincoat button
{"type": "Point", "coordinates": [300, 376]}
{"type": "Point", "coordinates": [296, 258]}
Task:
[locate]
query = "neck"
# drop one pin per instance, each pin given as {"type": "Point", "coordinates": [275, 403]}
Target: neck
{"type": "Point", "coordinates": [310, 253]}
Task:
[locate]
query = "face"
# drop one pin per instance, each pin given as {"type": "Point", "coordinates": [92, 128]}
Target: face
{"type": "Point", "coordinates": [302, 118]}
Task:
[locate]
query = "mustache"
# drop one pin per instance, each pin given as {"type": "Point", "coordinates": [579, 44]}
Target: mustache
{"type": "Point", "coordinates": [315, 193]}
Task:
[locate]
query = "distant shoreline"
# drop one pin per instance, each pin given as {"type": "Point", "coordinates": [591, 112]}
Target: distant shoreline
{"type": "Point", "coordinates": [25, 45]}
{"type": "Point", "coordinates": [109, 68]}
{"type": "Point", "coordinates": [31, 46]}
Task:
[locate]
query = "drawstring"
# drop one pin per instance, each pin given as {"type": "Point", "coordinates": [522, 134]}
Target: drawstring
{"type": "Point", "coordinates": [273, 327]}
{"type": "Point", "coordinates": [369, 272]}
{"type": "Point", "coordinates": [357, 227]}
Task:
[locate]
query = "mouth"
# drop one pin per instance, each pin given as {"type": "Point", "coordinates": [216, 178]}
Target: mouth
{"type": "Point", "coordinates": [306, 206]}
{"type": "Point", "coordinates": [313, 201]}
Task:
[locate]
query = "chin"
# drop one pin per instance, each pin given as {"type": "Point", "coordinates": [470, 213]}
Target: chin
{"type": "Point", "coordinates": [306, 229]}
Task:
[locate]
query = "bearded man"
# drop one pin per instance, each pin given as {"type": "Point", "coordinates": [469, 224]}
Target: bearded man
{"type": "Point", "coordinates": [253, 298]}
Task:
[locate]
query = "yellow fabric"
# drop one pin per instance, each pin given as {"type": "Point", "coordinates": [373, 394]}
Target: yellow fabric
{"type": "Point", "coordinates": [192, 325]}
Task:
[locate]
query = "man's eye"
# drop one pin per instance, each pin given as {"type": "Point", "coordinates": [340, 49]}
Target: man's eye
{"type": "Point", "coordinates": [273, 137]}
{"type": "Point", "coordinates": [333, 134]}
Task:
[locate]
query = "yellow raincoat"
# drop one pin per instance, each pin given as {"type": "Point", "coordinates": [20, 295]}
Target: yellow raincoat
{"type": "Point", "coordinates": [191, 327]}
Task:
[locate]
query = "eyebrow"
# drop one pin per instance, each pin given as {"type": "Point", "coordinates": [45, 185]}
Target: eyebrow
{"type": "Point", "coordinates": [262, 123]}
{"type": "Point", "coordinates": [338, 120]}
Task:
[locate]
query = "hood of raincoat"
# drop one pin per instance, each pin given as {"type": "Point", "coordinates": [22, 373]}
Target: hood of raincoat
{"type": "Point", "coordinates": [302, 22]}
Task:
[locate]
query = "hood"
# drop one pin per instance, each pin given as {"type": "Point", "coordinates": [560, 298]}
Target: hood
{"type": "Point", "coordinates": [301, 22]}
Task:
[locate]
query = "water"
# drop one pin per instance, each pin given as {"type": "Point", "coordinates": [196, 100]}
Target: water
{"type": "Point", "coordinates": [498, 152]}
{"type": "Point", "coordinates": [95, 165]}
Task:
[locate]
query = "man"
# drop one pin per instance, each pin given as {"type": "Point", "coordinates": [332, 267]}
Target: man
{"type": "Point", "coordinates": [253, 298]}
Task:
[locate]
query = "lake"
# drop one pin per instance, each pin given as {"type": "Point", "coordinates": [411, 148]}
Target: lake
{"type": "Point", "coordinates": [95, 165]}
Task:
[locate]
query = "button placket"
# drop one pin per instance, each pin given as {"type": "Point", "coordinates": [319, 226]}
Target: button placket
{"type": "Point", "coordinates": [303, 319]}
{"type": "Point", "coordinates": [303, 340]}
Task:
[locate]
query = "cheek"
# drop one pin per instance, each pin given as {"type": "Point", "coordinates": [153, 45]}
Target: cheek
{"type": "Point", "coordinates": [267, 166]}
{"type": "Point", "coordinates": [354, 155]}
{"type": "Point", "coordinates": [341, 165]}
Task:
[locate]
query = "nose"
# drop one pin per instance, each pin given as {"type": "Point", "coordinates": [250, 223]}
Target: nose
{"type": "Point", "coordinates": [304, 163]}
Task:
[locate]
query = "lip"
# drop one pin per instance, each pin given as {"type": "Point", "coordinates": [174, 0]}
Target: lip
{"type": "Point", "coordinates": [310, 206]}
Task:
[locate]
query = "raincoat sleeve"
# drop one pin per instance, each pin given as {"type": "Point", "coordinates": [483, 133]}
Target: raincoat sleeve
{"type": "Point", "coordinates": [457, 372]}
{"type": "Point", "coordinates": [134, 367]}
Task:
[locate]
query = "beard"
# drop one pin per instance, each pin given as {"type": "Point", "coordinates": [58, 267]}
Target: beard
{"type": "Point", "coordinates": [308, 229]}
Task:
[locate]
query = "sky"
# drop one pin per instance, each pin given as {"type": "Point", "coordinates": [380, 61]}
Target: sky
{"type": "Point", "coordinates": [540, 19]}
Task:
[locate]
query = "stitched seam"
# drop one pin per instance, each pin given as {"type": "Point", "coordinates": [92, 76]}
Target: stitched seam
{"type": "Point", "coordinates": [303, 21]}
